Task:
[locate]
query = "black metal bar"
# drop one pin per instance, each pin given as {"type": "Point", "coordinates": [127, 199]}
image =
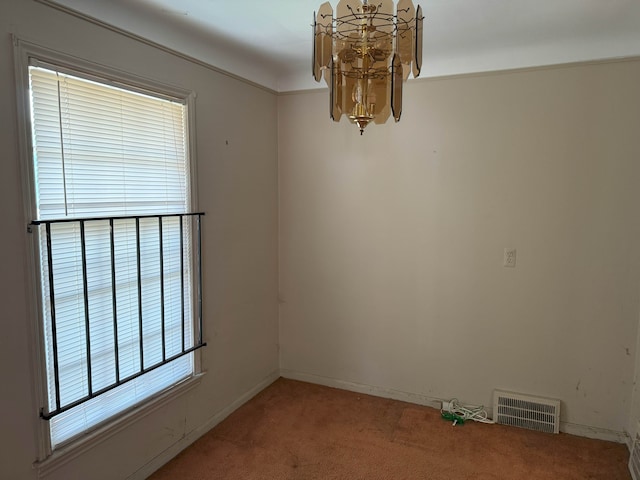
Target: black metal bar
{"type": "Point", "coordinates": [164, 347]}
{"type": "Point", "coordinates": [52, 301]}
{"type": "Point", "coordinates": [182, 277]}
{"type": "Point", "coordinates": [140, 344]}
{"type": "Point", "coordinates": [127, 217]}
{"type": "Point", "coordinates": [58, 411]}
{"type": "Point", "coordinates": [59, 406]}
{"type": "Point", "coordinates": [199, 235]}
{"type": "Point", "coordinates": [114, 303]}
{"type": "Point", "coordinates": [85, 293]}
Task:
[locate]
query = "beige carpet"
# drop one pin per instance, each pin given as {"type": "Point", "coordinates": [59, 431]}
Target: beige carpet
{"type": "Point", "coordinates": [296, 430]}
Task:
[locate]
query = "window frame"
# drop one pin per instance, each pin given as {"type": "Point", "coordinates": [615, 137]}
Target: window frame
{"type": "Point", "coordinates": [24, 54]}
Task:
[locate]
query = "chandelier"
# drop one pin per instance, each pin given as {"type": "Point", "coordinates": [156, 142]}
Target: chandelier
{"type": "Point", "coordinates": [366, 51]}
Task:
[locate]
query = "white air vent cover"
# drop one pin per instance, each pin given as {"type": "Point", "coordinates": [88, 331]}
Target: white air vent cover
{"type": "Point", "coordinates": [634, 459]}
{"type": "Point", "coordinates": [526, 411]}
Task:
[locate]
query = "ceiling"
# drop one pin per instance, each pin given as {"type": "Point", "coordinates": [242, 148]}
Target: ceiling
{"type": "Point", "coordinates": [269, 42]}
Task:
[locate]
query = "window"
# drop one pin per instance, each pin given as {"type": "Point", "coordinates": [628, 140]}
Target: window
{"type": "Point", "coordinates": [118, 272]}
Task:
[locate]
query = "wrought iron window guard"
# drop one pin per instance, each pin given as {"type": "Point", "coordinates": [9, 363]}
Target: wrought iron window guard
{"type": "Point", "coordinates": [198, 343]}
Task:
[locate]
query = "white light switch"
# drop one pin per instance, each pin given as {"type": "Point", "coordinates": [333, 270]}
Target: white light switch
{"type": "Point", "coordinates": [509, 257]}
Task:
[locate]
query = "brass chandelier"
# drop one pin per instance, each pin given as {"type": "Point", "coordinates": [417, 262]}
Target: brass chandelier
{"type": "Point", "coordinates": [366, 52]}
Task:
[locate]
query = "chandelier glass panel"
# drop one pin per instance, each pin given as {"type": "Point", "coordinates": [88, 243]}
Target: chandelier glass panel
{"type": "Point", "coordinates": [365, 52]}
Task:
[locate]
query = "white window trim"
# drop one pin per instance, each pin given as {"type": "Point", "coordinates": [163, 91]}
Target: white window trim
{"type": "Point", "coordinates": [47, 460]}
{"type": "Point", "coordinates": [77, 447]}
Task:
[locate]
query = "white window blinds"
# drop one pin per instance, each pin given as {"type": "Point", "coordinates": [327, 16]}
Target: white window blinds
{"type": "Point", "coordinates": [105, 151]}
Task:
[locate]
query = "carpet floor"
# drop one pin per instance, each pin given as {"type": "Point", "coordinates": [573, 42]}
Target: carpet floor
{"type": "Point", "coordinates": [300, 431]}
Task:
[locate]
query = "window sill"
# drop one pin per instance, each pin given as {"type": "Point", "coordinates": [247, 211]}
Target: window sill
{"type": "Point", "coordinates": [82, 444]}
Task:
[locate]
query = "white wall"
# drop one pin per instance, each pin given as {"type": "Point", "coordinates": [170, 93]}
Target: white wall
{"type": "Point", "coordinates": [237, 186]}
{"type": "Point", "coordinates": [391, 244]}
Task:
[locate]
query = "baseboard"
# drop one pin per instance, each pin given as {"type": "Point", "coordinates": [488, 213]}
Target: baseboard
{"type": "Point", "coordinates": [363, 388]}
{"type": "Point", "coordinates": [595, 432]}
{"type": "Point", "coordinates": [565, 427]}
{"type": "Point", "coordinates": [193, 435]}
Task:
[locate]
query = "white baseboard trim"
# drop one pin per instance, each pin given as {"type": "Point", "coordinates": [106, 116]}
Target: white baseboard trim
{"type": "Point", "coordinates": [147, 469]}
{"type": "Point", "coordinates": [565, 427]}
{"type": "Point", "coordinates": [363, 388]}
{"type": "Point", "coordinates": [594, 432]}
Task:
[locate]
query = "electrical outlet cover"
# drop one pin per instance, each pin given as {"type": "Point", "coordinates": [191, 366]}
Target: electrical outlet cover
{"type": "Point", "coordinates": [509, 257]}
